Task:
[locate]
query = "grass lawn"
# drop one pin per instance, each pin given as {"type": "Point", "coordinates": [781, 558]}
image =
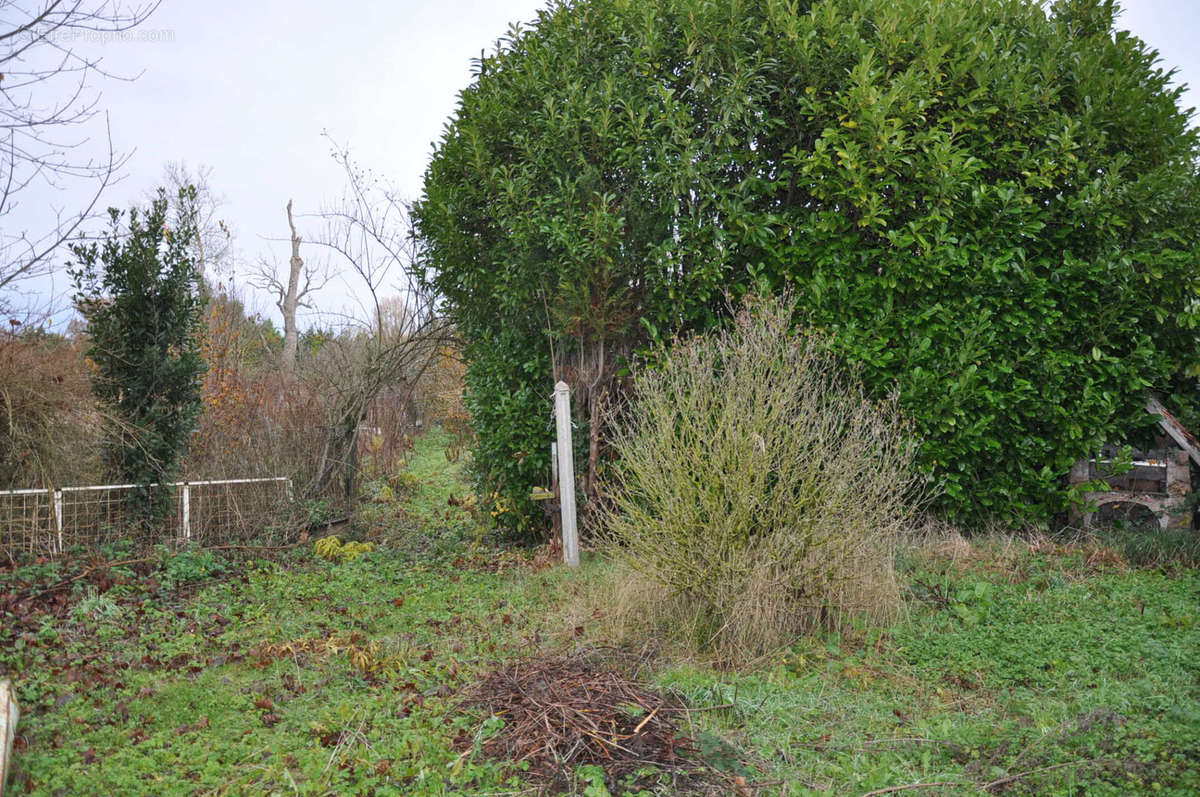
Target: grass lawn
{"type": "Point", "coordinates": [1027, 673]}
{"type": "Point", "coordinates": [1016, 669]}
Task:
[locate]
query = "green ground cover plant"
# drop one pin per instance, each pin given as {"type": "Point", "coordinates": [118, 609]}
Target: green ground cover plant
{"type": "Point", "coordinates": [1021, 669]}
{"type": "Point", "coordinates": [1015, 667]}
{"type": "Point", "coordinates": [296, 675]}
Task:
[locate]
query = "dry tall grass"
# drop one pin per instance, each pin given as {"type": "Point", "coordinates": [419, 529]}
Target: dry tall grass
{"type": "Point", "coordinates": [759, 493]}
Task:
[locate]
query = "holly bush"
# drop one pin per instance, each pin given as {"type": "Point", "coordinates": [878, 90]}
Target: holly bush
{"type": "Point", "coordinates": [990, 207]}
{"type": "Point", "coordinates": [139, 287]}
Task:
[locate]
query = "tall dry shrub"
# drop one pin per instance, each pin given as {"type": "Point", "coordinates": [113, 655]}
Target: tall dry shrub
{"type": "Point", "coordinates": [50, 424]}
{"type": "Point", "coordinates": [759, 491]}
{"type": "Point", "coordinates": [441, 400]}
{"type": "Point", "coordinates": [223, 445]}
{"type": "Point", "coordinates": [257, 422]}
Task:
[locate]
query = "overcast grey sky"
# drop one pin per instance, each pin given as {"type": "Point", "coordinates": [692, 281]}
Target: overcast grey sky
{"type": "Point", "coordinates": [247, 89]}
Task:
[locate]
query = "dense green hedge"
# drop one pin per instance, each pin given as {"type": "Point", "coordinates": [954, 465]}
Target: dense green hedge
{"type": "Point", "coordinates": [991, 206]}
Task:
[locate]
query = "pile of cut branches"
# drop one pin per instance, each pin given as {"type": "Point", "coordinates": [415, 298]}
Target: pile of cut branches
{"type": "Point", "coordinates": [561, 713]}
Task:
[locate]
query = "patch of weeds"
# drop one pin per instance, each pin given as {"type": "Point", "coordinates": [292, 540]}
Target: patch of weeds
{"type": "Point", "coordinates": [95, 606]}
{"type": "Point", "coordinates": [971, 602]}
{"type": "Point", "coordinates": [378, 491]}
{"type": "Point", "coordinates": [1150, 545]}
{"type": "Point", "coordinates": [31, 571]}
{"type": "Point", "coordinates": [591, 781]}
{"type": "Point", "coordinates": [405, 483]}
{"type": "Point", "coordinates": [189, 565]}
{"type": "Point", "coordinates": [337, 680]}
{"type": "Point", "coordinates": [435, 488]}
{"type": "Point", "coordinates": [279, 676]}
{"type": "Point", "coordinates": [1071, 648]}
{"type": "Point", "coordinates": [318, 511]}
{"type": "Point", "coordinates": [1073, 674]}
{"type": "Point", "coordinates": [720, 754]}
{"type": "Point", "coordinates": [1030, 669]}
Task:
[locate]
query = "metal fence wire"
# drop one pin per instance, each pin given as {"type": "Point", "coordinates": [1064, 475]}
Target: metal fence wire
{"type": "Point", "coordinates": [50, 522]}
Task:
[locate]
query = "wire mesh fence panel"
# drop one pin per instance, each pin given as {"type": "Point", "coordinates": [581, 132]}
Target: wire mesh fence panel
{"type": "Point", "coordinates": [27, 522]}
{"type": "Point", "coordinates": [235, 511]}
{"type": "Point", "coordinates": [93, 517]}
{"type": "Point", "coordinates": [52, 522]}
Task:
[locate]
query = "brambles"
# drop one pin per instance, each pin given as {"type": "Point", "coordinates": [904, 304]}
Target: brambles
{"type": "Point", "coordinates": [49, 421]}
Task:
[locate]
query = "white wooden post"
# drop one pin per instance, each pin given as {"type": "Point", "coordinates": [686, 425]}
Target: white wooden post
{"type": "Point", "coordinates": [58, 517]}
{"type": "Point", "coordinates": [9, 714]}
{"type": "Point", "coordinates": [187, 512]}
{"type": "Point", "coordinates": [566, 474]}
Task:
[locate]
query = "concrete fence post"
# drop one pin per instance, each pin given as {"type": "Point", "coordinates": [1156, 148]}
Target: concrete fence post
{"type": "Point", "coordinates": [58, 518]}
{"type": "Point", "coordinates": [187, 512]}
{"type": "Point", "coordinates": [566, 474]}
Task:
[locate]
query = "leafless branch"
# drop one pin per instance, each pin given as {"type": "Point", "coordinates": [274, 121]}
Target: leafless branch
{"type": "Point", "coordinates": [370, 230]}
{"type": "Point", "coordinates": [47, 100]}
{"type": "Point", "coordinates": [213, 247]}
{"type": "Point", "coordinates": [370, 233]}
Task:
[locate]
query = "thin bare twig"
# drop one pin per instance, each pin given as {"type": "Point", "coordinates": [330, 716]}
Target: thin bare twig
{"type": "Point", "coordinates": [936, 784]}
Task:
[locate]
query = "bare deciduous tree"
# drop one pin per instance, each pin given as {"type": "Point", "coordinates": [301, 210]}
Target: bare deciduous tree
{"type": "Point", "coordinates": [371, 232]}
{"type": "Point", "coordinates": [355, 370]}
{"type": "Point", "coordinates": [213, 247]}
{"type": "Point", "coordinates": [47, 100]}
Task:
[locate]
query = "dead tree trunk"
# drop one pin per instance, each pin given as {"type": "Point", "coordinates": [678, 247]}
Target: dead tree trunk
{"type": "Point", "coordinates": [291, 300]}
